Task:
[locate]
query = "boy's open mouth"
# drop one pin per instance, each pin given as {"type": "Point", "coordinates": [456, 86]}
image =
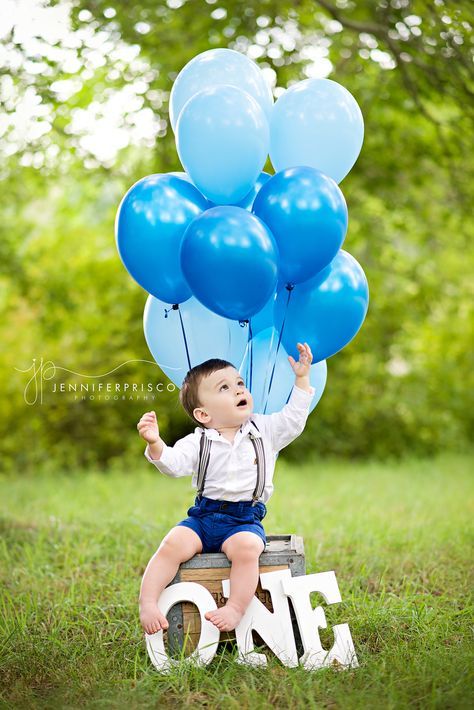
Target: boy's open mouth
{"type": "Point", "coordinates": [242, 403]}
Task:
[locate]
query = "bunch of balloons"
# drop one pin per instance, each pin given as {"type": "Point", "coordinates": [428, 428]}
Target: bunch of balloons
{"type": "Point", "coordinates": [241, 264]}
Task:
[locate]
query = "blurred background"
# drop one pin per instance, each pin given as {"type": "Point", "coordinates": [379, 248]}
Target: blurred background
{"type": "Point", "coordinates": [84, 90]}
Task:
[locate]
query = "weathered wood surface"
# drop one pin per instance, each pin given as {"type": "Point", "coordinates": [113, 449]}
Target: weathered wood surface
{"type": "Point", "coordinates": [209, 569]}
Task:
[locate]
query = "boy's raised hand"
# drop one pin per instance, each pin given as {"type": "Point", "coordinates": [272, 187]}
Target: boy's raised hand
{"type": "Point", "coordinates": [148, 428]}
{"type": "Point", "coordinates": [303, 366]}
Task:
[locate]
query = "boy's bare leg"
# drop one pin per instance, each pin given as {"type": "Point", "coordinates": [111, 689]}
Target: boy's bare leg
{"type": "Point", "coordinates": [243, 549]}
{"type": "Point", "coordinates": [179, 545]}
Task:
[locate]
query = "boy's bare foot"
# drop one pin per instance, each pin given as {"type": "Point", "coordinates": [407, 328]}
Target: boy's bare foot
{"type": "Point", "coordinates": [152, 619]}
{"type": "Point", "coordinates": [226, 618]}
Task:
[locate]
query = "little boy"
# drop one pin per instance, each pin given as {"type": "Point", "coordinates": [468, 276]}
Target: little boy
{"type": "Point", "coordinates": [231, 455]}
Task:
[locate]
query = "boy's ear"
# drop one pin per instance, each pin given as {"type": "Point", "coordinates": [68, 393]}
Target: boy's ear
{"type": "Point", "coordinates": [201, 415]}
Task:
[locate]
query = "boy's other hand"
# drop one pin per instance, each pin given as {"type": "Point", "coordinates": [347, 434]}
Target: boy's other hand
{"type": "Point", "coordinates": [148, 428]}
{"type": "Point", "coordinates": [303, 366]}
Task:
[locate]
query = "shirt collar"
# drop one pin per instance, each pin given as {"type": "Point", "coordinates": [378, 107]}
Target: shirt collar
{"type": "Point", "coordinates": [245, 428]}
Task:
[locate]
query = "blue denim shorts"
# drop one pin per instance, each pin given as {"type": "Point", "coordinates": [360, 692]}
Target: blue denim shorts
{"type": "Point", "coordinates": [216, 520]}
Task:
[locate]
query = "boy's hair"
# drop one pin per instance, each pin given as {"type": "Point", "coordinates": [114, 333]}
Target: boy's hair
{"type": "Point", "coordinates": [189, 389]}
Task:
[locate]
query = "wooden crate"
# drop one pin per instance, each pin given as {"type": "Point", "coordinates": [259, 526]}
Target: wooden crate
{"type": "Point", "coordinates": [209, 569]}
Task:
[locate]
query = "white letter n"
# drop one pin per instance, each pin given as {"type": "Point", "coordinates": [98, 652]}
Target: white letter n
{"type": "Point", "coordinates": [275, 628]}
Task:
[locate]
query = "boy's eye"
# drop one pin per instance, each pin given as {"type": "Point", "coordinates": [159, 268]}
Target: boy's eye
{"type": "Point", "coordinates": [240, 383]}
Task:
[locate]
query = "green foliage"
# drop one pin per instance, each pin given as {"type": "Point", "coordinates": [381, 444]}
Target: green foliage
{"type": "Point", "coordinates": [405, 383]}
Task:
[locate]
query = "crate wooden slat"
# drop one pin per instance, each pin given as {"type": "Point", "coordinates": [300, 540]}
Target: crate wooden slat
{"type": "Point", "coordinates": [209, 569]}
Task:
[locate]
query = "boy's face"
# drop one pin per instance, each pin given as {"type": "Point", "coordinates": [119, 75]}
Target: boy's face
{"type": "Point", "coordinates": [220, 394]}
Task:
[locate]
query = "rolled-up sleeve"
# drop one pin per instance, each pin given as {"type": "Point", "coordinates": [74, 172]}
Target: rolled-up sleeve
{"type": "Point", "coordinates": [287, 424]}
{"type": "Point", "coordinates": [178, 460]}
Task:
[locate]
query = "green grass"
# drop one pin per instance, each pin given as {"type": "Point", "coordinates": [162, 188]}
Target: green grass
{"type": "Point", "coordinates": [399, 537]}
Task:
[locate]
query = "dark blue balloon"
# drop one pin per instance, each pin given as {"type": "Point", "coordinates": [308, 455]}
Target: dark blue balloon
{"type": "Point", "coordinates": [150, 224]}
{"type": "Point", "coordinates": [326, 311]}
{"type": "Point", "coordinates": [230, 261]}
{"type": "Point", "coordinates": [307, 214]}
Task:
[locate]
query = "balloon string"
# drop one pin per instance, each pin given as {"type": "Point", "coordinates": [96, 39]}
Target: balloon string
{"type": "Point", "coordinates": [247, 353]}
{"type": "Point", "coordinates": [243, 362]}
{"type": "Point", "coordinates": [249, 379]}
{"type": "Point", "coordinates": [184, 336]}
{"type": "Point", "coordinates": [229, 339]}
{"type": "Point", "coordinates": [290, 289]}
{"type": "Point", "coordinates": [267, 369]}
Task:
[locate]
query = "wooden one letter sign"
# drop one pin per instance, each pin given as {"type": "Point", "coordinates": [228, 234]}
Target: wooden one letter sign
{"type": "Point", "coordinates": [275, 627]}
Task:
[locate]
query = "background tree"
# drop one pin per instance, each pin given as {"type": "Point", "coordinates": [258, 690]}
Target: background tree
{"type": "Point", "coordinates": [84, 91]}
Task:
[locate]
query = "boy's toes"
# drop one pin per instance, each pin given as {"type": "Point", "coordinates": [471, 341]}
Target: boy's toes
{"type": "Point", "coordinates": [162, 622]}
{"type": "Point", "coordinates": [154, 626]}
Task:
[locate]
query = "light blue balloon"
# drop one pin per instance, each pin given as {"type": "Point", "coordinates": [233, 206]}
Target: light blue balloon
{"type": "Point", "coordinates": [249, 198]}
{"type": "Point", "coordinates": [318, 123]}
{"type": "Point", "coordinates": [222, 138]}
{"type": "Point", "coordinates": [326, 311]}
{"type": "Point", "coordinates": [230, 261]}
{"type": "Point", "coordinates": [215, 68]}
{"type": "Point", "coordinates": [266, 355]}
{"type": "Point", "coordinates": [206, 335]}
{"type": "Point", "coordinates": [150, 224]}
{"type": "Point", "coordinates": [264, 318]}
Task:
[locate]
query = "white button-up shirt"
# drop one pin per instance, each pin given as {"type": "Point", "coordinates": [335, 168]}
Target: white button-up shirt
{"type": "Point", "coordinates": [232, 469]}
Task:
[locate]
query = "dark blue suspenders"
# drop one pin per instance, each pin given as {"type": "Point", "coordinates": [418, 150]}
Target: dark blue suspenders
{"type": "Point", "coordinates": [205, 453]}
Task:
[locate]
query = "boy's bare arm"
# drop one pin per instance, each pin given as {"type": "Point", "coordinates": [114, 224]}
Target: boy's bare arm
{"type": "Point", "coordinates": [148, 430]}
{"type": "Point", "coordinates": [303, 383]}
{"type": "Point", "coordinates": [155, 450]}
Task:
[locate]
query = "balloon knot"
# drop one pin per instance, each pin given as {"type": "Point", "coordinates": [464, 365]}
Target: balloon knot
{"type": "Point", "coordinates": [174, 307]}
{"type": "Point", "coordinates": [243, 323]}
{"type": "Point", "coordinates": [289, 287]}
